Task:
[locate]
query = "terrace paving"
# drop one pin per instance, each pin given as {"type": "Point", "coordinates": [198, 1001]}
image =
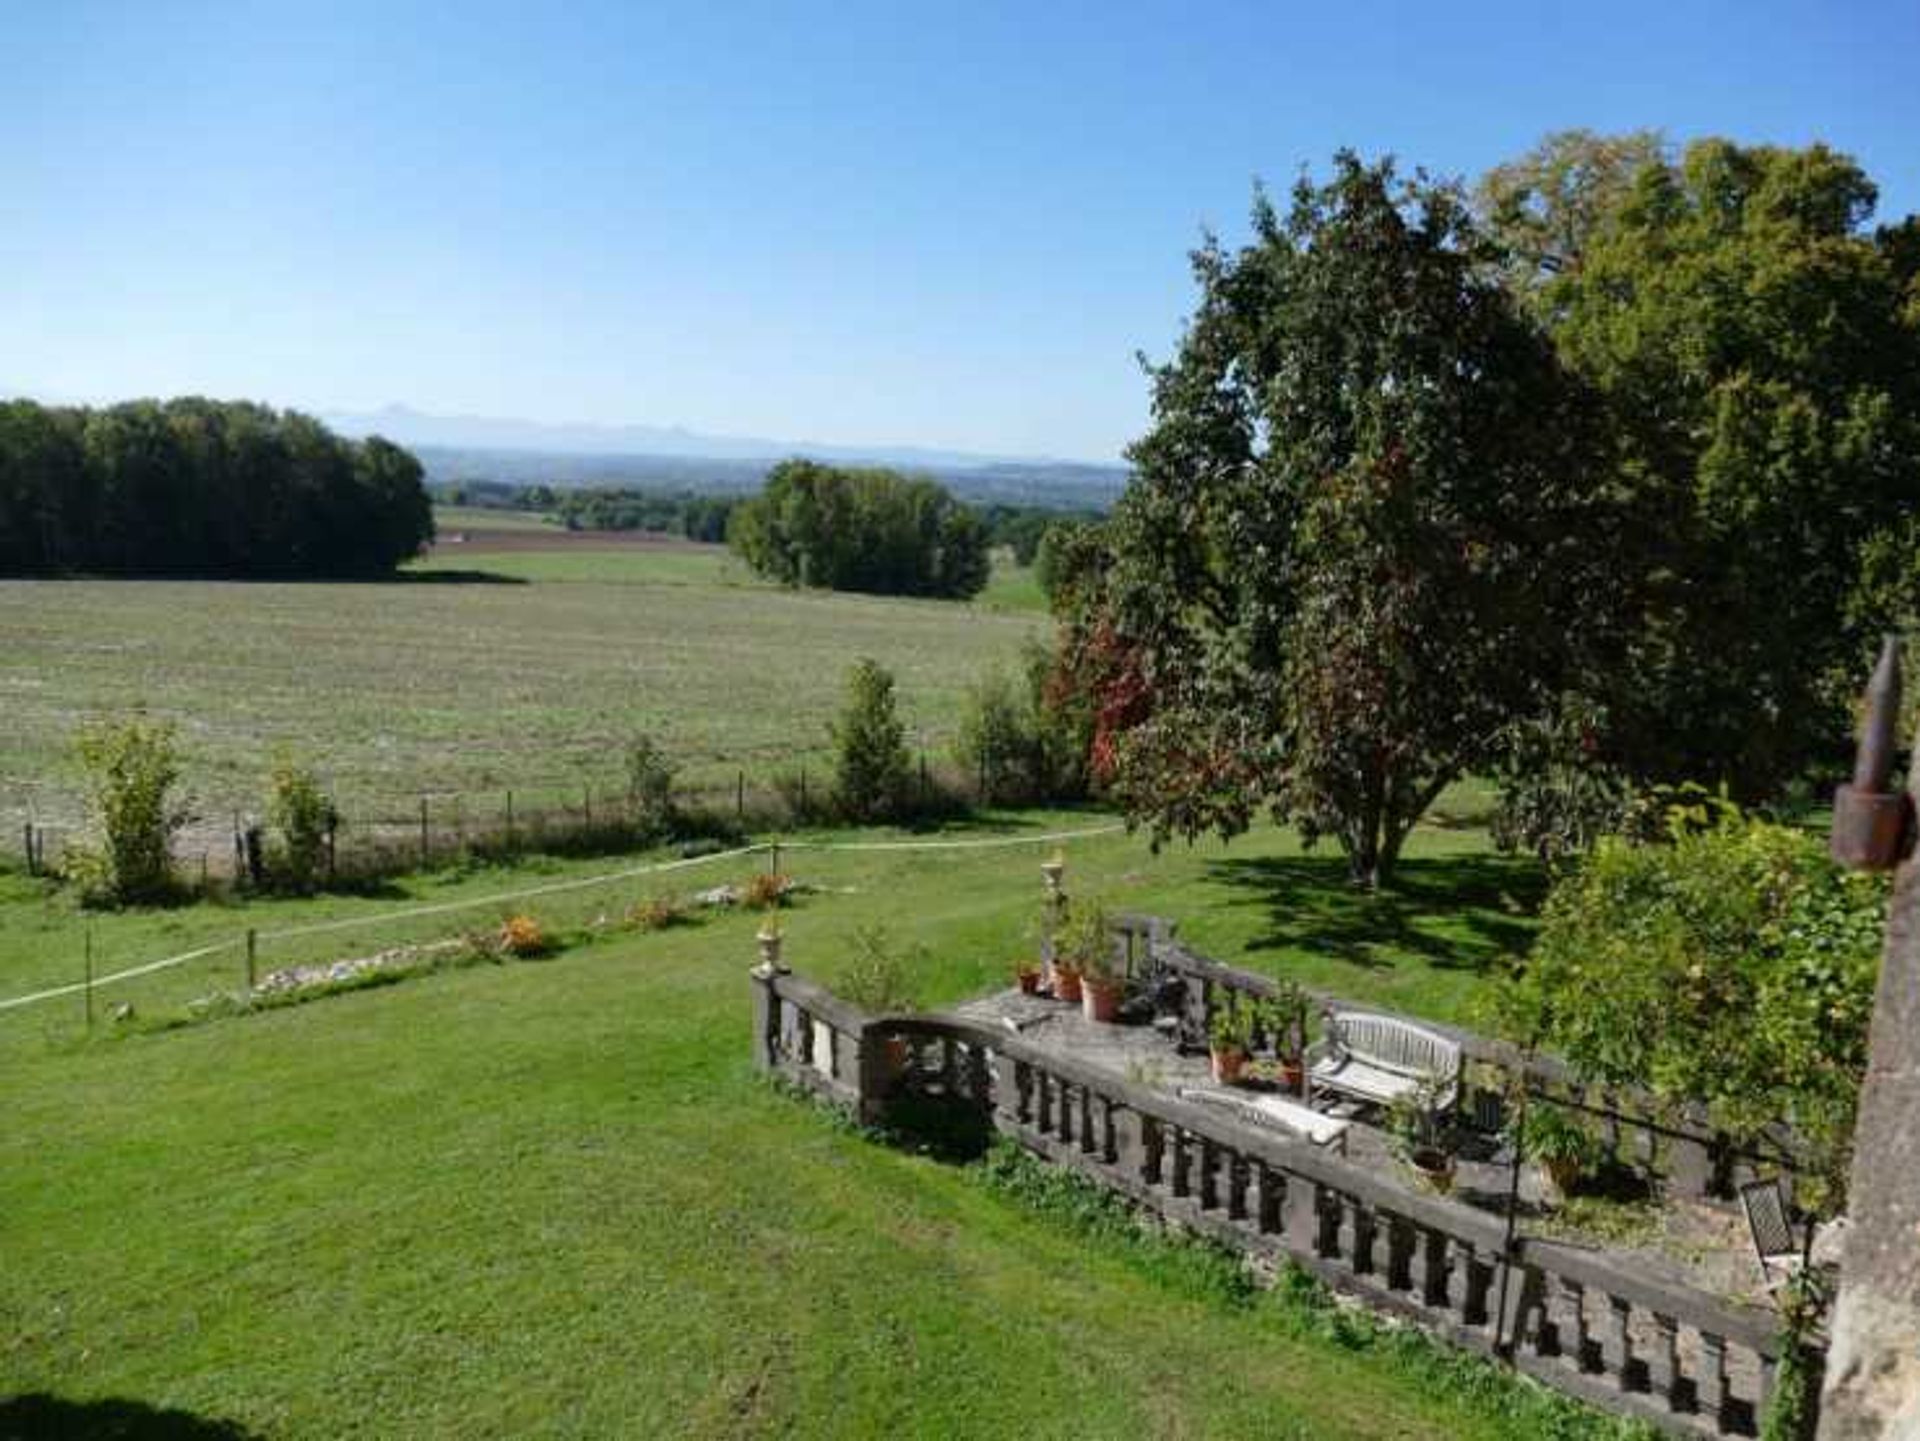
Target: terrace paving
{"type": "Point", "coordinates": [1697, 1243]}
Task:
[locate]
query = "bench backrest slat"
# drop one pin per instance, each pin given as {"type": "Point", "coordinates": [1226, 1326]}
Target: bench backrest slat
{"type": "Point", "coordinates": [1396, 1046]}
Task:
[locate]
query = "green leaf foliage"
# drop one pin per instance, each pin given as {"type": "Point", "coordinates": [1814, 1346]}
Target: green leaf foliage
{"type": "Point", "coordinates": [872, 766]}
{"type": "Point", "coordinates": [1734, 966]}
{"type": "Point", "coordinates": [1758, 350]}
{"type": "Point", "coordinates": [201, 488]}
{"type": "Point", "coordinates": [843, 528]}
{"type": "Point", "coordinates": [1363, 536]}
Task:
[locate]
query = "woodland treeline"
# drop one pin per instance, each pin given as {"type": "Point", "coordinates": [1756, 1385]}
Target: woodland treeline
{"type": "Point", "coordinates": [196, 487]}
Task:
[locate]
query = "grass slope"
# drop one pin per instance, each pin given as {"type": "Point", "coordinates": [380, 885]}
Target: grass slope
{"type": "Point", "coordinates": [549, 1198]}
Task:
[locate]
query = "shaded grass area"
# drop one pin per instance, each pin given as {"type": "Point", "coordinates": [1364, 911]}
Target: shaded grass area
{"type": "Point", "coordinates": [550, 1198]}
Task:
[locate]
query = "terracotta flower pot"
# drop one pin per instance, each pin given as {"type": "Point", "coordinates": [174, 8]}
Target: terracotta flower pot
{"type": "Point", "coordinates": [1433, 1166]}
{"type": "Point", "coordinates": [1066, 984]}
{"type": "Point", "coordinates": [1293, 1077]}
{"type": "Point", "coordinates": [1562, 1175]}
{"type": "Point", "coordinates": [1029, 981]}
{"type": "Point", "coordinates": [1100, 998]}
{"type": "Point", "coordinates": [1228, 1065]}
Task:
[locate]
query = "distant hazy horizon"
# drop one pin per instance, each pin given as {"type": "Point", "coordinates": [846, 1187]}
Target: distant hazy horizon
{"type": "Point", "coordinates": [879, 228]}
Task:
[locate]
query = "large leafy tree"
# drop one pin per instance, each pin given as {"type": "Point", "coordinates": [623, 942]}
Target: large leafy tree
{"type": "Point", "coordinates": [1759, 350]}
{"type": "Point", "coordinates": [1362, 536]}
{"type": "Point", "coordinates": [861, 529]}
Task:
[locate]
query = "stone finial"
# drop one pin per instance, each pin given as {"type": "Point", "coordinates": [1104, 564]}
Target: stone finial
{"type": "Point", "coordinates": [769, 939]}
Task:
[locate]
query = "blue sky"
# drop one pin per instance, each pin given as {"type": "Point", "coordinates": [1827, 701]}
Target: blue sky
{"type": "Point", "coordinates": [944, 225]}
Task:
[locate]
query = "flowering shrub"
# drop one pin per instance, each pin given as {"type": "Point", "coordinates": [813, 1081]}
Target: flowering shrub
{"type": "Point", "coordinates": [656, 914]}
{"type": "Point", "coordinates": [766, 891]}
{"type": "Point", "coordinates": [522, 936]}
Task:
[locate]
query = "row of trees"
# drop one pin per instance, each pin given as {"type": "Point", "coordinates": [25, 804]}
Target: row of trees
{"type": "Point", "coordinates": [860, 529]}
{"type": "Point", "coordinates": [1603, 477]}
{"type": "Point", "coordinates": [201, 487]}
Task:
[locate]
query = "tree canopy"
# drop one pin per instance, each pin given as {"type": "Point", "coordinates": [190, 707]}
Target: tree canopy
{"type": "Point", "coordinates": [1363, 536]}
{"type": "Point", "coordinates": [846, 528]}
{"type": "Point", "coordinates": [1758, 351]}
{"type": "Point", "coordinates": [201, 487]}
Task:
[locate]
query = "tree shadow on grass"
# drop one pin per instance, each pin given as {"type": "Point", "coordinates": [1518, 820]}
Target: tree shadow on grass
{"type": "Point", "coordinates": [52, 1418]}
{"type": "Point", "coordinates": [450, 577]}
{"type": "Point", "coordinates": [1455, 913]}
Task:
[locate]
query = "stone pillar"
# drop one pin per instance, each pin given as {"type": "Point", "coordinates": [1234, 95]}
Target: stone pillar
{"type": "Point", "coordinates": [766, 1008]}
{"type": "Point", "coordinates": [1872, 1386]}
{"type": "Point", "coordinates": [1873, 1366]}
{"type": "Point", "coordinates": [1051, 870]}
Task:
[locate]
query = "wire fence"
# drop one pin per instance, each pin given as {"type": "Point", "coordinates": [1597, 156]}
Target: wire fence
{"type": "Point", "coordinates": [110, 982]}
{"type": "Point", "coordinates": [374, 837]}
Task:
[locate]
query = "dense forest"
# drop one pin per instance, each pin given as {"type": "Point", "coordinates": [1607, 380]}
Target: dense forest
{"type": "Point", "coordinates": [201, 488]}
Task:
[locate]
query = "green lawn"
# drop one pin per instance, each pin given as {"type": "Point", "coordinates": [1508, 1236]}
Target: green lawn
{"type": "Point", "coordinates": [480, 517]}
{"type": "Point", "coordinates": [549, 1197]}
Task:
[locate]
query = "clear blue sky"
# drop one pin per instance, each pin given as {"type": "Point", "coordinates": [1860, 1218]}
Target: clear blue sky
{"type": "Point", "coordinates": [948, 225]}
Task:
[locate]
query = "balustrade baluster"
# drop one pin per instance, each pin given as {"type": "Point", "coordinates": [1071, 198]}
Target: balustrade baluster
{"type": "Point", "coordinates": [1182, 1162]}
{"type": "Point", "coordinates": [1238, 1184]}
{"type": "Point", "coordinates": [1302, 1218]}
{"type": "Point", "coordinates": [1209, 1175]}
{"type": "Point", "coordinates": [1622, 1362]}
{"type": "Point", "coordinates": [1663, 1368]}
{"type": "Point", "coordinates": [1399, 1253]}
{"type": "Point", "coordinates": [1086, 1138]}
{"type": "Point", "coordinates": [1364, 1230]}
{"type": "Point", "coordinates": [1333, 1208]}
{"type": "Point", "coordinates": [1153, 1146]}
{"type": "Point", "coordinates": [1476, 1280]}
{"type": "Point", "coordinates": [1271, 1184]}
{"type": "Point", "coordinates": [1712, 1392]}
{"type": "Point", "coordinates": [1435, 1270]}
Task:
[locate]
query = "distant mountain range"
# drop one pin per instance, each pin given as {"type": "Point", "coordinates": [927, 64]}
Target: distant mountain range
{"type": "Point", "coordinates": [466, 447]}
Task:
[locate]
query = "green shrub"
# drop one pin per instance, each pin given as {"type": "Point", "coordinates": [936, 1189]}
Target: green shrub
{"type": "Point", "coordinates": [131, 767]}
{"type": "Point", "coordinates": [878, 979]}
{"type": "Point", "coordinates": [872, 767]}
{"type": "Point", "coordinates": [650, 777]}
{"type": "Point", "coordinates": [301, 816]}
{"type": "Point", "coordinates": [1022, 737]}
{"type": "Point", "coordinates": [1734, 965]}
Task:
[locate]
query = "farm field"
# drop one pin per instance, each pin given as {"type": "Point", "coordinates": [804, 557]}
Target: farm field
{"type": "Point", "coordinates": [550, 1198]}
{"type": "Point", "coordinates": [480, 670]}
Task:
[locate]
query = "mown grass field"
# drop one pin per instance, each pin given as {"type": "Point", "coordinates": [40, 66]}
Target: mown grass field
{"type": "Point", "coordinates": [549, 1197]}
{"type": "Point", "coordinates": [479, 671]}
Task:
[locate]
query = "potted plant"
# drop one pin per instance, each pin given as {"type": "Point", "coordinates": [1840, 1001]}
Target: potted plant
{"type": "Point", "coordinates": [1560, 1142]}
{"type": "Point", "coordinates": [1085, 947]}
{"type": "Point", "coordinates": [1419, 1142]}
{"type": "Point", "coordinates": [879, 981]}
{"type": "Point", "coordinates": [1230, 1031]}
{"type": "Point", "coordinates": [1287, 1020]}
{"type": "Point", "coordinates": [1027, 973]}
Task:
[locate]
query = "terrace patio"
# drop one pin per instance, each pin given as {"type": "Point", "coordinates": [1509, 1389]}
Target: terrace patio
{"type": "Point", "coordinates": [1664, 1319]}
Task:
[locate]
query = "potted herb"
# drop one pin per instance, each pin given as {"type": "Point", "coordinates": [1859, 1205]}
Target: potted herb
{"type": "Point", "coordinates": [1230, 1032]}
{"type": "Point", "coordinates": [879, 981]}
{"type": "Point", "coordinates": [1027, 973]}
{"type": "Point", "coordinates": [1560, 1142]}
{"type": "Point", "coordinates": [1085, 947]}
{"type": "Point", "coordinates": [1419, 1142]}
{"type": "Point", "coordinates": [1287, 1020]}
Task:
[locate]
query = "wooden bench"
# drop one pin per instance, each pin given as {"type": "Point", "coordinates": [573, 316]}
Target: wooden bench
{"type": "Point", "coordinates": [1380, 1060]}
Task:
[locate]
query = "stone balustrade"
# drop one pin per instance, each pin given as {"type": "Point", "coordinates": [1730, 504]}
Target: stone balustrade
{"type": "Point", "coordinates": [1585, 1323]}
{"type": "Point", "coordinates": [1679, 1145]}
